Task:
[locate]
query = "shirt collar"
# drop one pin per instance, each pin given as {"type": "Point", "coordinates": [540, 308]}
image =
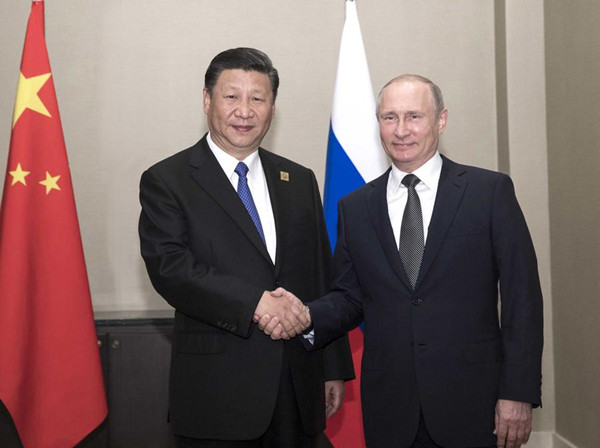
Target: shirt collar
{"type": "Point", "coordinates": [429, 174]}
{"type": "Point", "coordinates": [229, 163]}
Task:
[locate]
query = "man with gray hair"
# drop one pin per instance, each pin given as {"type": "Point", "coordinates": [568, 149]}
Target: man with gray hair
{"type": "Point", "coordinates": [423, 254]}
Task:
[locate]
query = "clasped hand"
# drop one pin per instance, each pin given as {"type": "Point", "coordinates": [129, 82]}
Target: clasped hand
{"type": "Point", "coordinates": [281, 315]}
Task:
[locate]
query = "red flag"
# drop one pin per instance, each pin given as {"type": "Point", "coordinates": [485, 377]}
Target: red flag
{"type": "Point", "coordinates": [345, 428]}
{"type": "Point", "coordinates": [50, 374]}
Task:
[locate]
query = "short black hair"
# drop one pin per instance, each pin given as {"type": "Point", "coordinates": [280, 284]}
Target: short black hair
{"type": "Point", "coordinates": [247, 59]}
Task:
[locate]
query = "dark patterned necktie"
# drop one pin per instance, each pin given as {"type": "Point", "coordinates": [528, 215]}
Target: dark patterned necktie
{"type": "Point", "coordinates": [244, 193]}
{"type": "Point", "coordinates": [412, 240]}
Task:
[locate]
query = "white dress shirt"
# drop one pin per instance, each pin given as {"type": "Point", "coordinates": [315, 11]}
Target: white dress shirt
{"type": "Point", "coordinates": [257, 183]}
{"type": "Point", "coordinates": [397, 194]}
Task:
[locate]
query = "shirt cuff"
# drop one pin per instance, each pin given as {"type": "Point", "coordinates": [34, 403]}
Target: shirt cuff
{"type": "Point", "coordinates": [310, 336]}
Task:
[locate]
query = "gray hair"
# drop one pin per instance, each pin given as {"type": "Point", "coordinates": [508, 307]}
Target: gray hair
{"type": "Point", "coordinates": [436, 92]}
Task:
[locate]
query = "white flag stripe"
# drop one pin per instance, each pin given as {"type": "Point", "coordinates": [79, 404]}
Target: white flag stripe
{"type": "Point", "coordinates": [354, 104]}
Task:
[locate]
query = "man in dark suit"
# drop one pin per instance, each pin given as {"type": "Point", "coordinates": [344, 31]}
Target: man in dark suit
{"type": "Point", "coordinates": [423, 253]}
{"type": "Point", "coordinates": [223, 223]}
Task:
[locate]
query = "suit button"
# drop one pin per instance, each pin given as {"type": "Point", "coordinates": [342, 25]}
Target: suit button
{"type": "Point", "coordinates": [416, 301]}
{"type": "Point", "coordinates": [277, 284]}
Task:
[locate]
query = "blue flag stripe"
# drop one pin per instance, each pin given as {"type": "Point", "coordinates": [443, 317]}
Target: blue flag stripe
{"type": "Point", "coordinates": [342, 178]}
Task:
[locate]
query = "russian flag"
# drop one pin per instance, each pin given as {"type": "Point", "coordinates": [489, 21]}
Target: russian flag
{"type": "Point", "coordinates": [354, 157]}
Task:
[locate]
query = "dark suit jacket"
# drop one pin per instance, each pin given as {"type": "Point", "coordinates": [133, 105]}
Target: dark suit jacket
{"type": "Point", "coordinates": [206, 258]}
{"type": "Point", "coordinates": [440, 347]}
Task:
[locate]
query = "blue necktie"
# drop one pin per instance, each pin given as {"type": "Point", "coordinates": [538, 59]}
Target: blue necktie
{"type": "Point", "coordinates": [244, 193]}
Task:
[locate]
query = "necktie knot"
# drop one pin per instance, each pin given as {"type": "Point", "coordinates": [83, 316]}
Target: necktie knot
{"type": "Point", "coordinates": [241, 169]}
{"type": "Point", "coordinates": [410, 180]}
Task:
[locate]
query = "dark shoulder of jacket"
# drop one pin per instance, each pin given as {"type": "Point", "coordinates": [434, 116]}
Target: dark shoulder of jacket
{"type": "Point", "coordinates": [178, 159]}
{"type": "Point", "coordinates": [474, 173]}
{"type": "Point", "coordinates": [366, 189]}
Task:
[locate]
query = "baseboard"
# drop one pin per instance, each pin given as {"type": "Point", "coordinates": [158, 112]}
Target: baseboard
{"type": "Point", "coordinates": [548, 439]}
{"type": "Point", "coordinates": [541, 440]}
{"type": "Point", "coordinates": [561, 442]}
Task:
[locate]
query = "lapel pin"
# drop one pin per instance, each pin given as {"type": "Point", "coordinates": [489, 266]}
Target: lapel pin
{"type": "Point", "coordinates": [284, 176]}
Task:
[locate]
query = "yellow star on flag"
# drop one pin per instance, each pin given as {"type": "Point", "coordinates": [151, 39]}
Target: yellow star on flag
{"type": "Point", "coordinates": [27, 95]}
{"type": "Point", "coordinates": [18, 175]}
{"type": "Point", "coordinates": [51, 182]}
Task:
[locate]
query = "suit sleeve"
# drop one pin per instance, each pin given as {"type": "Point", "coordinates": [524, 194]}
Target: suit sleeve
{"type": "Point", "coordinates": [337, 355]}
{"type": "Point", "coordinates": [195, 289]}
{"type": "Point", "coordinates": [521, 298]}
{"type": "Point", "coordinates": [341, 310]}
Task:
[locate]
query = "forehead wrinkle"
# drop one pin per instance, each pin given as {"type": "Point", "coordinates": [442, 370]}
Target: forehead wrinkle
{"type": "Point", "coordinates": [397, 111]}
{"type": "Point", "coordinates": [417, 87]}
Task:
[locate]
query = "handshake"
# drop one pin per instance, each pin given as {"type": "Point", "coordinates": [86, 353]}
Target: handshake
{"type": "Point", "coordinates": [281, 315]}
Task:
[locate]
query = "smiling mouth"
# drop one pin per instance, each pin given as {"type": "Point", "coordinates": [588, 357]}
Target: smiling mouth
{"type": "Point", "coordinates": [242, 128]}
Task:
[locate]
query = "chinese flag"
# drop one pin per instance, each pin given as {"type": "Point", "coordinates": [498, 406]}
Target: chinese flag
{"type": "Point", "coordinates": [50, 374]}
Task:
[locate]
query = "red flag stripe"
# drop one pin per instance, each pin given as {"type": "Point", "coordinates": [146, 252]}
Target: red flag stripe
{"type": "Point", "coordinates": [345, 429]}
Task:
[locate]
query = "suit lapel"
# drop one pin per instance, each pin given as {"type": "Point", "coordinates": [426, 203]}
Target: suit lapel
{"type": "Point", "coordinates": [279, 193]}
{"type": "Point", "coordinates": [378, 212]}
{"type": "Point", "coordinates": [449, 195]}
{"type": "Point", "coordinates": [207, 172]}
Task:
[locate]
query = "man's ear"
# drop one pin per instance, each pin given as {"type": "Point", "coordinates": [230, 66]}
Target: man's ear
{"type": "Point", "coordinates": [443, 118]}
{"type": "Point", "coordinates": [206, 100]}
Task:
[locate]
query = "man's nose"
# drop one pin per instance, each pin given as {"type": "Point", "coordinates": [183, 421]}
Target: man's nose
{"type": "Point", "coordinates": [401, 130]}
{"type": "Point", "coordinates": [244, 109]}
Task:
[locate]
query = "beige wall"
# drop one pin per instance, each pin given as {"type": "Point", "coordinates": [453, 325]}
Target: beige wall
{"type": "Point", "coordinates": [129, 79]}
{"type": "Point", "coordinates": [573, 96]}
{"type": "Point", "coordinates": [526, 154]}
